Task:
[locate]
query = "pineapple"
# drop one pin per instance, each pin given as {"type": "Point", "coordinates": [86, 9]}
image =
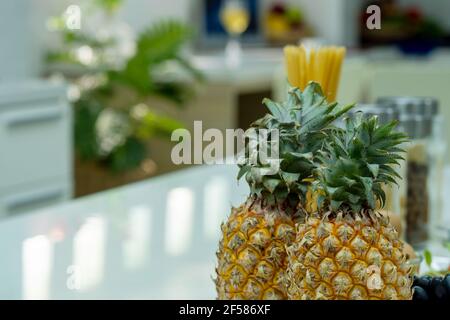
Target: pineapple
{"type": "Point", "coordinates": [252, 258]}
{"type": "Point", "coordinates": [346, 249]}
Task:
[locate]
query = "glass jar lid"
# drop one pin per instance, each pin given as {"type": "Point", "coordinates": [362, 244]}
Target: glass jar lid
{"type": "Point", "coordinates": [416, 114]}
{"type": "Point", "coordinates": [425, 106]}
{"type": "Point", "coordinates": [384, 115]}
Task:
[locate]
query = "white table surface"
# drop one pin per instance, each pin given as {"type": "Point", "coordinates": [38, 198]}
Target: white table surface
{"type": "Point", "coordinates": [150, 240]}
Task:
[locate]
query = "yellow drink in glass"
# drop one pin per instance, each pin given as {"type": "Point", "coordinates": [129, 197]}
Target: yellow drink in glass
{"type": "Point", "coordinates": [235, 20]}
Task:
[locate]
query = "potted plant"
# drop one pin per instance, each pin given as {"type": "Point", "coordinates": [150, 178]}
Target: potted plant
{"type": "Point", "coordinates": [114, 79]}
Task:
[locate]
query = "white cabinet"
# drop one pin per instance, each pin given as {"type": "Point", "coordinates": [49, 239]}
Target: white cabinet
{"type": "Point", "coordinates": [35, 146]}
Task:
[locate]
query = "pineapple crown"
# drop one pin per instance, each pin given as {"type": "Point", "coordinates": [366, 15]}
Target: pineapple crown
{"type": "Point", "coordinates": [356, 162]}
{"type": "Point", "coordinates": [303, 125]}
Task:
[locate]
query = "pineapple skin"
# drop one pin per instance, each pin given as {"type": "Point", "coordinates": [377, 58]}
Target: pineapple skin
{"type": "Point", "coordinates": [348, 258]}
{"type": "Point", "coordinates": [252, 258]}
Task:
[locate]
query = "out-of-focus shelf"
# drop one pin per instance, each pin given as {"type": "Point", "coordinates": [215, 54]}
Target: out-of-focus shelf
{"type": "Point", "coordinates": [35, 144]}
{"type": "Point", "coordinates": [254, 73]}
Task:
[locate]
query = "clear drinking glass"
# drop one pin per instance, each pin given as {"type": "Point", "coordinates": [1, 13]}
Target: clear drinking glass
{"type": "Point", "coordinates": [235, 18]}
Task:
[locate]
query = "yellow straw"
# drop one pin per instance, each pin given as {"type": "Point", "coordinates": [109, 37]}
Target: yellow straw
{"type": "Point", "coordinates": [322, 65]}
{"type": "Point", "coordinates": [336, 73]}
{"type": "Point", "coordinates": [302, 67]}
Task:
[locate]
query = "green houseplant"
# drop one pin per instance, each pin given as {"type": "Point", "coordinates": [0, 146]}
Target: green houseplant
{"type": "Point", "coordinates": [113, 81]}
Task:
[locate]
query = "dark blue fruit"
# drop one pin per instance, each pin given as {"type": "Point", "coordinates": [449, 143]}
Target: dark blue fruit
{"type": "Point", "coordinates": [423, 281]}
{"type": "Point", "coordinates": [419, 294]}
{"type": "Point", "coordinates": [440, 292]}
{"type": "Point", "coordinates": [435, 282]}
{"type": "Point", "coordinates": [446, 283]}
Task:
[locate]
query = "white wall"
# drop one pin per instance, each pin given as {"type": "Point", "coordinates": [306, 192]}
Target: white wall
{"type": "Point", "coordinates": [18, 58]}
{"type": "Point", "coordinates": [25, 38]}
{"type": "Point", "coordinates": [326, 17]}
{"type": "Point", "coordinates": [140, 13]}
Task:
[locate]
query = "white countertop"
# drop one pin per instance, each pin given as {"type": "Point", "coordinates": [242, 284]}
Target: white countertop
{"type": "Point", "coordinates": [150, 240]}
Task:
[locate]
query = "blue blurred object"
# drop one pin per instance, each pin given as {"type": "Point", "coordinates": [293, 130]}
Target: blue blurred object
{"type": "Point", "coordinates": [419, 47]}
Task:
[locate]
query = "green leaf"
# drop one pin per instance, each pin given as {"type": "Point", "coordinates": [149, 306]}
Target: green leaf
{"type": "Point", "coordinates": [355, 207]}
{"type": "Point", "coordinates": [373, 169]}
{"type": "Point", "coordinates": [109, 5]}
{"type": "Point", "coordinates": [271, 184]}
{"type": "Point", "coordinates": [320, 201]}
{"type": "Point", "coordinates": [353, 198]}
{"type": "Point", "coordinates": [178, 93]}
{"type": "Point", "coordinates": [330, 190]}
{"type": "Point", "coordinates": [273, 107]}
{"type": "Point", "coordinates": [243, 170]}
{"type": "Point", "coordinates": [162, 41]}
{"type": "Point", "coordinates": [86, 113]}
{"type": "Point", "coordinates": [337, 112]}
{"type": "Point", "coordinates": [159, 43]}
{"type": "Point", "coordinates": [186, 64]}
{"type": "Point", "coordinates": [306, 155]}
{"type": "Point", "coordinates": [153, 124]}
{"type": "Point", "coordinates": [427, 256]}
{"type": "Point", "coordinates": [290, 178]}
{"type": "Point", "coordinates": [255, 174]}
{"type": "Point", "coordinates": [312, 94]}
{"type": "Point", "coordinates": [127, 156]}
{"type": "Point", "coordinates": [335, 204]}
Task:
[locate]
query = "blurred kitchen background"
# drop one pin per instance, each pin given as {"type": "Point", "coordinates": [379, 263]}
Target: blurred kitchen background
{"type": "Point", "coordinates": [90, 92]}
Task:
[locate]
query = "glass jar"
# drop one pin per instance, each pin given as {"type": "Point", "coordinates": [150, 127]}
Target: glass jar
{"type": "Point", "coordinates": [418, 170]}
{"type": "Point", "coordinates": [436, 151]}
{"type": "Point", "coordinates": [420, 195]}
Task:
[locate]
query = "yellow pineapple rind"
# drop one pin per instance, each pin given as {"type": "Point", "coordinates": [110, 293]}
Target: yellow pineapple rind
{"type": "Point", "coordinates": [252, 257]}
{"type": "Point", "coordinates": [345, 257]}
